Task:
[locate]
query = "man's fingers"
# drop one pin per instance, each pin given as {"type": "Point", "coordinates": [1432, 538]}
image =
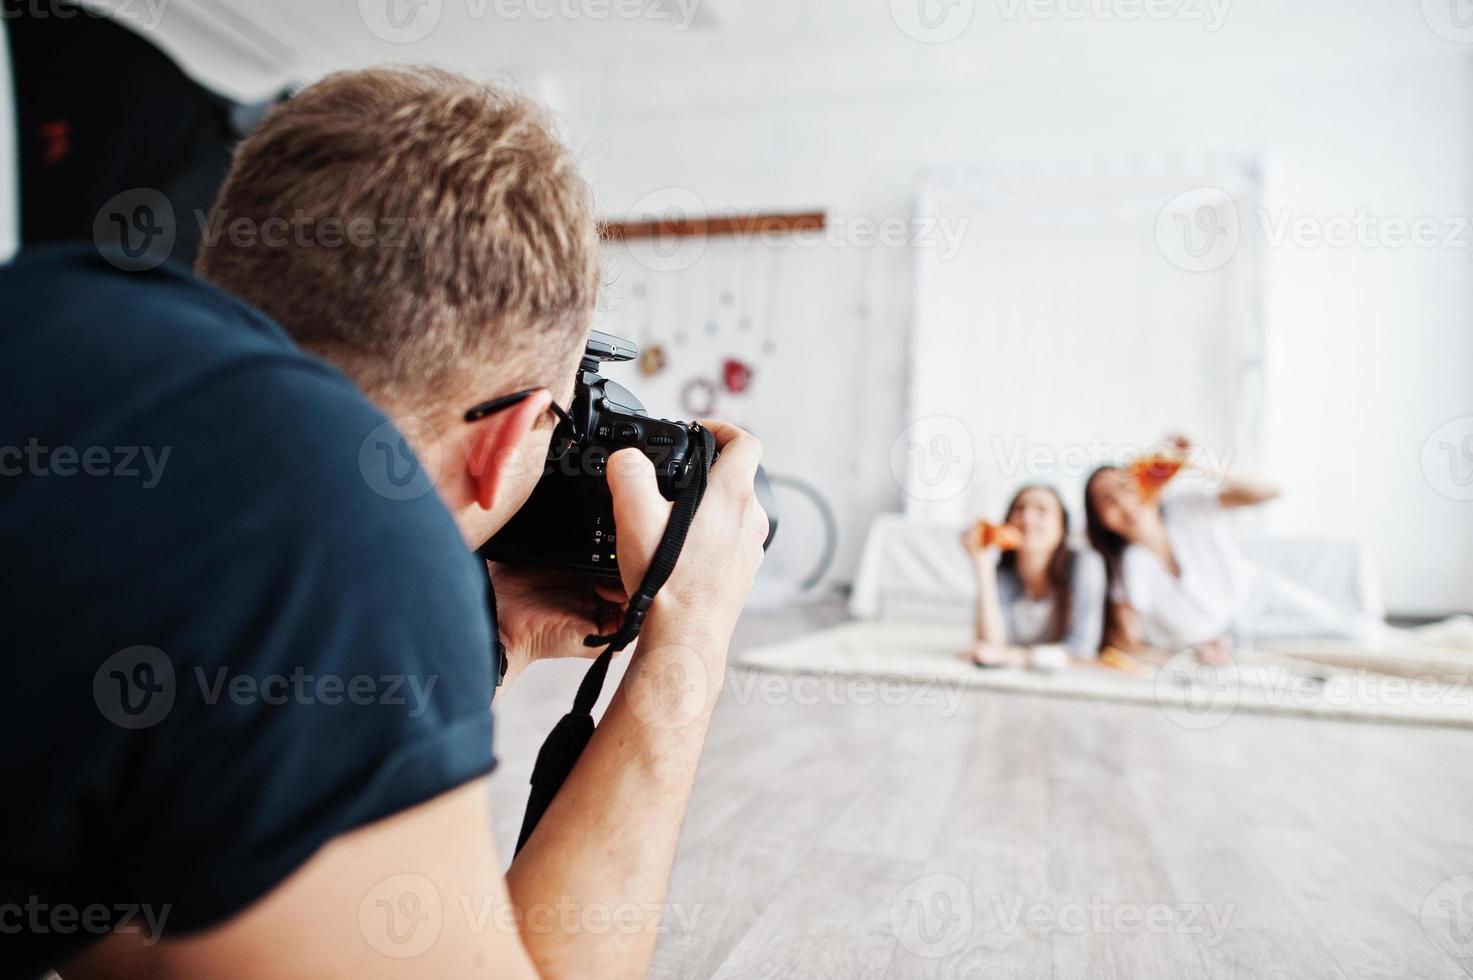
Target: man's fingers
{"type": "Point", "coordinates": [640, 513]}
{"type": "Point", "coordinates": [740, 454]}
{"type": "Point", "coordinates": [611, 592]}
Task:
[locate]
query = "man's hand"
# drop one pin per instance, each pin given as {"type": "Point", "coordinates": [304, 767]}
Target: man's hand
{"type": "Point", "coordinates": [545, 613]}
{"type": "Point", "coordinates": [723, 548]}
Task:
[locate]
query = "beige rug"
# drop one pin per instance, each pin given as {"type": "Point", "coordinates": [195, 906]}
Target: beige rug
{"type": "Point", "coordinates": [1426, 683]}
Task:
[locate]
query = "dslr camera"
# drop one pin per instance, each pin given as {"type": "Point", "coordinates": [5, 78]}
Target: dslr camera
{"type": "Point", "coordinates": [568, 522]}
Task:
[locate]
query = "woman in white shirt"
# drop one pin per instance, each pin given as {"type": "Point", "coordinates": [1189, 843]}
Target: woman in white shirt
{"type": "Point", "coordinates": [1179, 580]}
{"type": "Point", "coordinates": [1043, 601]}
{"type": "Point", "coordinates": [1177, 577]}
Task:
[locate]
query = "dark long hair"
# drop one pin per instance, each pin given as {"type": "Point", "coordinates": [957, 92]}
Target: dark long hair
{"type": "Point", "coordinates": [1060, 563]}
{"type": "Point", "coordinates": [1110, 545]}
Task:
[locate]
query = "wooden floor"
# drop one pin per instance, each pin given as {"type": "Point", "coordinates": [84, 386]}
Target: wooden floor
{"type": "Point", "coordinates": [838, 830]}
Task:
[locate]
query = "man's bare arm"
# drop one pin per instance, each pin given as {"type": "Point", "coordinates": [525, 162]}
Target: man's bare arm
{"type": "Point", "coordinates": [609, 836]}
{"type": "Point", "coordinates": [419, 894]}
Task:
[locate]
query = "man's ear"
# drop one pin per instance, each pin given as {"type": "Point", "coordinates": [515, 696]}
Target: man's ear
{"type": "Point", "coordinates": [492, 444]}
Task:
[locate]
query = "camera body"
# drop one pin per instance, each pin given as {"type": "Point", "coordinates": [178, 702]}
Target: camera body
{"type": "Point", "coordinates": [568, 521]}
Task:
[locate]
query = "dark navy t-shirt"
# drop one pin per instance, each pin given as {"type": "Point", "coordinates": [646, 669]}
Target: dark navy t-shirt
{"type": "Point", "coordinates": [235, 626]}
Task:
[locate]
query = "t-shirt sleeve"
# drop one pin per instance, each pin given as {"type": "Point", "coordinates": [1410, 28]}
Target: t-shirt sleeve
{"type": "Point", "coordinates": [333, 669]}
{"type": "Point", "coordinates": [1086, 604]}
{"type": "Point", "coordinates": [1194, 504]}
{"type": "Point", "coordinates": [1137, 578]}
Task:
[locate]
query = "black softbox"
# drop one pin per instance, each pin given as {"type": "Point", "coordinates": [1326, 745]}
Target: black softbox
{"type": "Point", "coordinates": [114, 138]}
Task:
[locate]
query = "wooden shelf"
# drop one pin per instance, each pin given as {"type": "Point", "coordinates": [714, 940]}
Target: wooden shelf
{"type": "Point", "coordinates": [734, 224]}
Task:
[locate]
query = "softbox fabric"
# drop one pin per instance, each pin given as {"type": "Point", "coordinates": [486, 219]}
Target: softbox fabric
{"type": "Point", "coordinates": [115, 141]}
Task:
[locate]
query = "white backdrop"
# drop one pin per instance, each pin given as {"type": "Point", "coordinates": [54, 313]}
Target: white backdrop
{"type": "Point", "coordinates": [1066, 331]}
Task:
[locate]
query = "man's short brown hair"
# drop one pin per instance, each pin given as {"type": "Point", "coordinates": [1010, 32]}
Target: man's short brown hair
{"type": "Point", "coordinates": [405, 224]}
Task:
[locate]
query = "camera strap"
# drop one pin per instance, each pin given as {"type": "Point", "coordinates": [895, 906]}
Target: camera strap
{"type": "Point", "coordinates": [565, 743]}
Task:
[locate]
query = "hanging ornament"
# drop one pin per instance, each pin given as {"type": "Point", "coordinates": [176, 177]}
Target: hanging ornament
{"type": "Point", "coordinates": [736, 375]}
{"type": "Point", "coordinates": [652, 360]}
{"type": "Point", "coordinates": [698, 398]}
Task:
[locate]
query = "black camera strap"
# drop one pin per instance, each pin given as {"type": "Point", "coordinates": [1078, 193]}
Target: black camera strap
{"type": "Point", "coordinates": [565, 743]}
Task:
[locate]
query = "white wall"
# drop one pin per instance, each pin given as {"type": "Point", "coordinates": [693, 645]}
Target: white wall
{"type": "Point", "coordinates": [1370, 348]}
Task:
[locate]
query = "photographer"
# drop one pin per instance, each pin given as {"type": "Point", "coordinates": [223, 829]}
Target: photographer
{"type": "Point", "coordinates": [156, 761]}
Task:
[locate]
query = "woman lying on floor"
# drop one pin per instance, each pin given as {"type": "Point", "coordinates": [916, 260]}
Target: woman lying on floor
{"type": "Point", "coordinates": [1039, 601]}
{"type": "Point", "coordinates": [1178, 578]}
